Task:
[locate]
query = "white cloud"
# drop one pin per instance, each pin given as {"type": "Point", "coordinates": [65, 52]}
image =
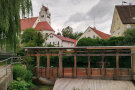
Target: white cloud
{"type": "Point", "coordinates": [79, 13]}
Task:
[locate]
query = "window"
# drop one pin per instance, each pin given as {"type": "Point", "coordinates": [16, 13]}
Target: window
{"type": "Point", "coordinates": [89, 30]}
{"type": "Point", "coordinates": [94, 36]}
{"type": "Point", "coordinates": [118, 31]}
{"type": "Point", "coordinates": [51, 36]}
{"type": "Point", "coordinates": [128, 26]}
{"type": "Point", "coordinates": [50, 42]}
{"type": "Point", "coordinates": [113, 34]}
{"type": "Point", "coordinates": [58, 43]}
{"type": "Point", "coordinates": [42, 15]}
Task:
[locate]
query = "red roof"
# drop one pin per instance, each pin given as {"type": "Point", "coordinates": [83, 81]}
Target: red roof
{"type": "Point", "coordinates": [101, 34]}
{"type": "Point", "coordinates": [66, 39]}
{"type": "Point", "coordinates": [43, 26]}
{"type": "Point", "coordinates": [27, 23]}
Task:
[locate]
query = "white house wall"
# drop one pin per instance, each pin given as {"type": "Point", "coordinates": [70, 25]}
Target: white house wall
{"type": "Point", "coordinates": [67, 44]}
{"type": "Point", "coordinates": [88, 33]}
{"type": "Point", "coordinates": [55, 40]}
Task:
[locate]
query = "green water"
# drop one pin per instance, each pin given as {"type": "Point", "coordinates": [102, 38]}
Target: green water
{"type": "Point", "coordinates": [44, 87]}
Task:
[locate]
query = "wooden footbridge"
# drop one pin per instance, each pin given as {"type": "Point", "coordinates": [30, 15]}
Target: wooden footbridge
{"type": "Point", "coordinates": [89, 72]}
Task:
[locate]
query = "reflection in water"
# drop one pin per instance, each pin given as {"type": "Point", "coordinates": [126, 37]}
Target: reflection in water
{"type": "Point", "coordinates": [44, 87]}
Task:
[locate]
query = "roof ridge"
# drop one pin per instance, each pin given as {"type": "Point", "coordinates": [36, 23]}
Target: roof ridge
{"type": "Point", "coordinates": [62, 37]}
{"type": "Point", "coordinates": [101, 34]}
{"type": "Point", "coordinates": [28, 18]}
{"type": "Point", "coordinates": [99, 31]}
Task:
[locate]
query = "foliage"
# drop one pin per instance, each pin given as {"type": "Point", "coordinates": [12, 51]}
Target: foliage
{"type": "Point", "coordinates": [19, 71]}
{"type": "Point", "coordinates": [129, 37]}
{"type": "Point", "coordinates": [27, 61]}
{"type": "Point", "coordinates": [113, 41]}
{"type": "Point", "coordinates": [67, 32]}
{"type": "Point", "coordinates": [91, 42]}
{"type": "Point", "coordinates": [50, 45]}
{"type": "Point", "coordinates": [23, 76]}
{"type": "Point", "coordinates": [18, 85]}
{"type": "Point", "coordinates": [32, 38]}
{"type": "Point", "coordinates": [10, 20]}
{"type": "Point", "coordinates": [76, 35]}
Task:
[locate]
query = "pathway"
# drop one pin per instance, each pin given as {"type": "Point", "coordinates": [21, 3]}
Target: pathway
{"type": "Point", "coordinates": [88, 84]}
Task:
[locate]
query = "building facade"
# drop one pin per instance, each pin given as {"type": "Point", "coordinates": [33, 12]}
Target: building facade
{"type": "Point", "coordinates": [94, 33]}
{"type": "Point", "coordinates": [60, 41]}
{"type": "Point", "coordinates": [42, 23]}
{"type": "Point", "coordinates": [123, 19]}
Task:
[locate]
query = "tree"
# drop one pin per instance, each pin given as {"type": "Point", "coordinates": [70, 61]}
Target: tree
{"type": "Point", "coordinates": [32, 38]}
{"type": "Point", "coordinates": [10, 20]}
{"type": "Point", "coordinates": [129, 37]}
{"type": "Point", "coordinates": [67, 32]}
{"type": "Point", "coordinates": [76, 35]}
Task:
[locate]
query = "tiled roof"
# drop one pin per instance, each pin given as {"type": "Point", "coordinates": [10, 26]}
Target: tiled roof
{"type": "Point", "coordinates": [27, 23]}
{"type": "Point", "coordinates": [43, 26]}
{"type": "Point", "coordinates": [101, 34]}
{"type": "Point", "coordinates": [66, 39]}
{"type": "Point", "coordinates": [126, 13]}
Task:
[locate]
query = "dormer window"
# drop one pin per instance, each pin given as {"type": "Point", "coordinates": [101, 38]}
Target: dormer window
{"type": "Point", "coordinates": [42, 15]}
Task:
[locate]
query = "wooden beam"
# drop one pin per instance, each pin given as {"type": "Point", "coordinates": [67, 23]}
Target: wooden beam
{"type": "Point", "coordinates": [75, 66]}
{"type": "Point", "coordinates": [103, 65]}
{"type": "Point", "coordinates": [60, 63]}
{"type": "Point", "coordinates": [48, 66]}
{"type": "Point", "coordinates": [89, 69]}
{"type": "Point", "coordinates": [80, 54]}
{"type": "Point", "coordinates": [117, 64]}
{"type": "Point", "coordinates": [38, 64]}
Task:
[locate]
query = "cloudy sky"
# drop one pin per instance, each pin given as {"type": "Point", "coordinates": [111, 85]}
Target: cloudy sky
{"type": "Point", "coordinates": [79, 14]}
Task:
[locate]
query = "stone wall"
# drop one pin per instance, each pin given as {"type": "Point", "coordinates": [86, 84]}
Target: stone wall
{"type": "Point", "coordinates": [6, 80]}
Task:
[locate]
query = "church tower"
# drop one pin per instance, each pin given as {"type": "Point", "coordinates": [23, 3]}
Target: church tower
{"type": "Point", "coordinates": [45, 15]}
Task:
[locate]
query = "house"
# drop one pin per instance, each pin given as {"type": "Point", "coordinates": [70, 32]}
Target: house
{"type": "Point", "coordinates": [123, 19]}
{"type": "Point", "coordinates": [42, 23]}
{"type": "Point", "coordinates": [60, 41]}
{"type": "Point", "coordinates": [94, 33]}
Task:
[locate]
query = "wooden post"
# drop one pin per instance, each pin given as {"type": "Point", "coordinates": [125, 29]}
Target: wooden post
{"type": "Point", "coordinates": [60, 63]}
{"type": "Point", "coordinates": [75, 65]}
{"type": "Point", "coordinates": [117, 64]}
{"type": "Point", "coordinates": [133, 63]}
{"type": "Point", "coordinates": [48, 66]}
{"type": "Point", "coordinates": [103, 66]}
{"type": "Point", "coordinates": [89, 70]}
{"type": "Point", "coordinates": [38, 59]}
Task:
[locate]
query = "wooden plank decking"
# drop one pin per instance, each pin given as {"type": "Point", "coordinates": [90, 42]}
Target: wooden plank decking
{"type": "Point", "coordinates": [88, 84]}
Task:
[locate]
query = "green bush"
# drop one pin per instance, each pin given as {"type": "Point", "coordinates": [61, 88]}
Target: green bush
{"type": "Point", "coordinates": [19, 71]}
{"type": "Point", "coordinates": [22, 76]}
{"type": "Point", "coordinates": [18, 85]}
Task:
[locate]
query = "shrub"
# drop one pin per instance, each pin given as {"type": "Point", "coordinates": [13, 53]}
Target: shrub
{"type": "Point", "coordinates": [18, 85]}
{"type": "Point", "coordinates": [19, 71]}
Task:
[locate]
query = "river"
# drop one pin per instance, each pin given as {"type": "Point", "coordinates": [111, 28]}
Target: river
{"type": "Point", "coordinates": [43, 87]}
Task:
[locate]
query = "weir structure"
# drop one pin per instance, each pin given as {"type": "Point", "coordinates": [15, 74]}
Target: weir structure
{"type": "Point", "coordinates": [116, 73]}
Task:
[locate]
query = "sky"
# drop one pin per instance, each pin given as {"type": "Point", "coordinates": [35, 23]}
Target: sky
{"type": "Point", "coordinates": [79, 14]}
